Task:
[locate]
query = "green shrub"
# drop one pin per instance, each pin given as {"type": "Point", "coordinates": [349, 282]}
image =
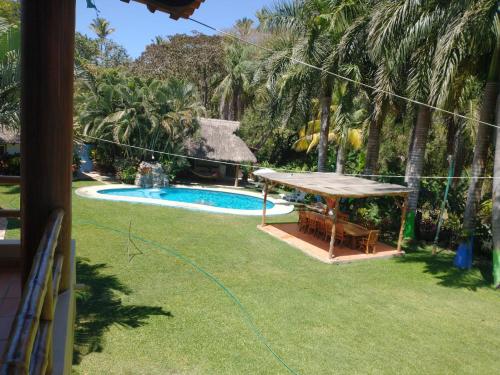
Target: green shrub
{"type": "Point", "coordinates": [126, 169]}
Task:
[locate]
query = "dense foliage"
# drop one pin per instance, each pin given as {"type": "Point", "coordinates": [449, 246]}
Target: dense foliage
{"type": "Point", "coordinates": [302, 107]}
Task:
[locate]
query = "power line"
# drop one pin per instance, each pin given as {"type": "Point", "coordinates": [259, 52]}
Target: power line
{"type": "Point", "coordinates": [152, 151]}
{"type": "Point", "coordinates": [366, 85]}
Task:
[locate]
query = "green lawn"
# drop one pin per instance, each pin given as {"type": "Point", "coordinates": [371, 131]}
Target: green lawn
{"type": "Point", "coordinates": [160, 314]}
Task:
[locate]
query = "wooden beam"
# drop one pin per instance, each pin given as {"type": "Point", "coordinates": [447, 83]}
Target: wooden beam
{"type": "Point", "coordinates": [264, 205]}
{"type": "Point", "coordinates": [10, 214]}
{"type": "Point", "coordinates": [47, 67]}
{"type": "Point", "coordinates": [10, 180]}
{"type": "Point", "coordinates": [334, 228]}
{"type": "Point", "coordinates": [403, 221]}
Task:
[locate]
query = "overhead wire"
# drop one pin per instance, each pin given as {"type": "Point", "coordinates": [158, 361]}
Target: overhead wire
{"type": "Point", "coordinates": [340, 76]}
{"type": "Point", "coordinates": [152, 151]}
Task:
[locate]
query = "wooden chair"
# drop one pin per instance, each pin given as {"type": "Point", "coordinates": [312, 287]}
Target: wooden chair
{"type": "Point", "coordinates": [342, 216]}
{"type": "Point", "coordinates": [339, 232]}
{"type": "Point", "coordinates": [314, 224]}
{"type": "Point", "coordinates": [369, 242]}
{"type": "Point", "coordinates": [303, 221]}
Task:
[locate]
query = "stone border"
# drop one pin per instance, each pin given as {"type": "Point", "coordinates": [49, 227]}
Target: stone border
{"type": "Point", "coordinates": [280, 206]}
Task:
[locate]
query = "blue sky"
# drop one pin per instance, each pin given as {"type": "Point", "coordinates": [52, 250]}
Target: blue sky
{"type": "Point", "coordinates": [136, 26]}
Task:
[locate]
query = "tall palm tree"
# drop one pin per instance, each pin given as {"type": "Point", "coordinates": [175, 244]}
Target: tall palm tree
{"type": "Point", "coordinates": [317, 26]}
{"type": "Point", "coordinates": [472, 42]}
{"type": "Point", "coordinates": [495, 220]}
{"type": "Point", "coordinates": [234, 89]}
{"type": "Point", "coordinates": [405, 33]}
{"type": "Point", "coordinates": [101, 27]}
{"type": "Point", "coordinates": [472, 38]}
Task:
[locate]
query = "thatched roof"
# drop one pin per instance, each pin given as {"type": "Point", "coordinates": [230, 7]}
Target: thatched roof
{"type": "Point", "coordinates": [334, 185]}
{"type": "Point", "coordinates": [215, 140]}
{"type": "Point", "coordinates": [9, 136]}
{"type": "Point", "coordinates": [176, 8]}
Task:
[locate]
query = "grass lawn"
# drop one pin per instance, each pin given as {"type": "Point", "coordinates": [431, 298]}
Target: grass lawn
{"type": "Point", "coordinates": [159, 314]}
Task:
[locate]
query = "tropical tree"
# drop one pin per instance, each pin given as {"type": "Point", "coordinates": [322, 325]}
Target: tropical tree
{"type": "Point", "coordinates": [405, 33]}
{"type": "Point", "coordinates": [317, 27]}
{"type": "Point", "coordinates": [472, 42]}
{"type": "Point", "coordinates": [102, 28]}
{"type": "Point", "coordinates": [496, 205]}
{"type": "Point", "coordinates": [479, 20]}
{"type": "Point", "coordinates": [196, 58]}
{"type": "Point", "coordinates": [233, 91]}
{"type": "Point", "coordinates": [147, 113]}
{"type": "Point", "coordinates": [9, 74]}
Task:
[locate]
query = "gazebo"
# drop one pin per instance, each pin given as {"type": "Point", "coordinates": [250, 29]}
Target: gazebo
{"type": "Point", "coordinates": [333, 187]}
{"type": "Point", "coordinates": [216, 145]}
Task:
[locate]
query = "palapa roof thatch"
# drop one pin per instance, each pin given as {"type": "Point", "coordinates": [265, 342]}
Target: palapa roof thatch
{"type": "Point", "coordinates": [334, 185]}
{"type": "Point", "coordinates": [215, 140]}
{"type": "Point", "coordinates": [9, 136]}
{"type": "Point", "coordinates": [176, 8]}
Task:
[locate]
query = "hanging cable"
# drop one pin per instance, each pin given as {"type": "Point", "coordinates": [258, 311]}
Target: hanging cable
{"type": "Point", "coordinates": [366, 85]}
{"type": "Point", "coordinates": [278, 169]}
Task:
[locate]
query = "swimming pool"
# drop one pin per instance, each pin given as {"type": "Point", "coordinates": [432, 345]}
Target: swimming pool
{"type": "Point", "coordinates": [205, 199]}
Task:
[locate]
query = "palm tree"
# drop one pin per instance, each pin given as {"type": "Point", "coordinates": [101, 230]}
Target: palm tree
{"type": "Point", "coordinates": [344, 126]}
{"type": "Point", "coordinates": [234, 89]}
{"type": "Point", "coordinates": [473, 34]}
{"type": "Point", "coordinates": [405, 33]}
{"type": "Point", "coordinates": [101, 27]}
{"type": "Point", "coordinates": [495, 220]}
{"type": "Point", "coordinates": [317, 27]}
{"type": "Point", "coordinates": [146, 113]}
{"type": "Point", "coordinates": [472, 42]}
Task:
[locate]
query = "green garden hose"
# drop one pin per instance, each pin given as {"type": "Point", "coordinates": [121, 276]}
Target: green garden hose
{"type": "Point", "coordinates": [208, 275]}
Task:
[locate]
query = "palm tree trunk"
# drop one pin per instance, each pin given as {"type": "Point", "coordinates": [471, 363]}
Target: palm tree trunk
{"type": "Point", "coordinates": [451, 135]}
{"type": "Point", "coordinates": [495, 222]}
{"type": "Point", "coordinates": [410, 150]}
{"type": "Point", "coordinates": [459, 157]}
{"type": "Point", "coordinates": [416, 164]}
{"type": "Point", "coordinates": [483, 139]}
{"type": "Point", "coordinates": [484, 133]}
{"type": "Point", "coordinates": [340, 158]}
{"type": "Point", "coordinates": [325, 102]}
{"type": "Point", "coordinates": [373, 145]}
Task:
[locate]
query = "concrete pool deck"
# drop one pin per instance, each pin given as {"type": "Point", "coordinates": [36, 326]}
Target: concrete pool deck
{"type": "Point", "coordinates": [281, 207]}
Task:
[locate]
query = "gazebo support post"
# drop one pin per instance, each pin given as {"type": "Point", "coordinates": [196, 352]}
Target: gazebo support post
{"type": "Point", "coordinates": [334, 227]}
{"type": "Point", "coordinates": [403, 221]}
{"type": "Point", "coordinates": [237, 175]}
{"type": "Point", "coordinates": [264, 206]}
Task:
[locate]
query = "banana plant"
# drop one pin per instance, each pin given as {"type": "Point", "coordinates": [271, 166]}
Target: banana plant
{"type": "Point", "coordinates": [345, 125]}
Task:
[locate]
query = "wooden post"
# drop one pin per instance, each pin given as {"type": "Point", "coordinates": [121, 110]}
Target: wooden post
{"type": "Point", "coordinates": [264, 208]}
{"type": "Point", "coordinates": [403, 221]}
{"type": "Point", "coordinates": [332, 239]}
{"type": "Point", "coordinates": [237, 175]}
{"type": "Point", "coordinates": [47, 66]}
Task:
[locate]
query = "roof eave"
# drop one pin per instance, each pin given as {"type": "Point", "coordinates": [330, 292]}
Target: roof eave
{"type": "Point", "coordinates": [168, 6]}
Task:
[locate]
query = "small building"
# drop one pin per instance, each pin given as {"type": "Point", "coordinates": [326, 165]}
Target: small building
{"type": "Point", "coordinates": [219, 151]}
{"type": "Point", "coordinates": [10, 141]}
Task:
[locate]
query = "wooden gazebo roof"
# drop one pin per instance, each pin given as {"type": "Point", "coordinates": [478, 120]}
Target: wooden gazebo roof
{"type": "Point", "coordinates": [334, 185]}
{"type": "Point", "coordinates": [176, 8]}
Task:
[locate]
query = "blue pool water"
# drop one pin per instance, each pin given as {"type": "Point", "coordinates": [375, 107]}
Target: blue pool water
{"type": "Point", "coordinates": [197, 196]}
